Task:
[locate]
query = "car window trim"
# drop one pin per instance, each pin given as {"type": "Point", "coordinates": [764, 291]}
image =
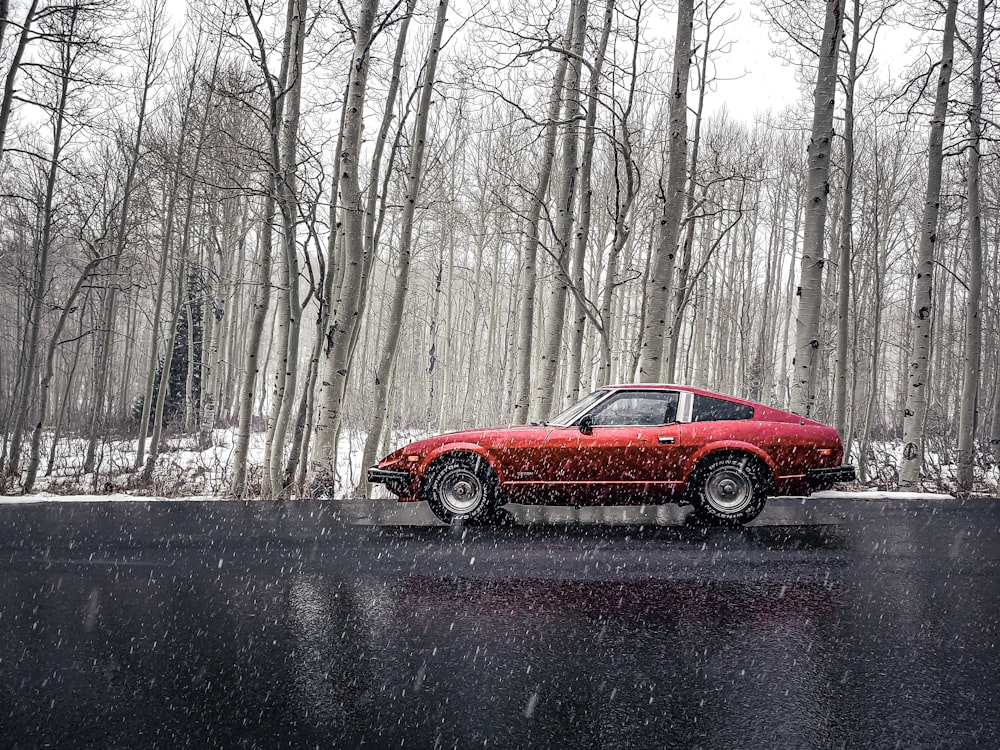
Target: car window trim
{"type": "Point", "coordinates": [685, 407]}
{"type": "Point", "coordinates": [608, 393]}
{"type": "Point", "coordinates": [677, 415]}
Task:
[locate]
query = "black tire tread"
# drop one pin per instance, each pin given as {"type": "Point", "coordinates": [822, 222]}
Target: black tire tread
{"type": "Point", "coordinates": [481, 467]}
{"type": "Point", "coordinates": [759, 479]}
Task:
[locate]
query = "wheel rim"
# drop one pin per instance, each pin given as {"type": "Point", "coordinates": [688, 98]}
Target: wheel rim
{"type": "Point", "coordinates": [459, 490]}
{"type": "Point", "coordinates": [728, 490]}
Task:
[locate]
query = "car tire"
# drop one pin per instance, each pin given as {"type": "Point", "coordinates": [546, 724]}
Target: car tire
{"type": "Point", "coordinates": [729, 489]}
{"type": "Point", "coordinates": [462, 486]}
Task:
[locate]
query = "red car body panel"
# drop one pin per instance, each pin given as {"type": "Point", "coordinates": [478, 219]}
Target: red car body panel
{"type": "Point", "coordinates": [565, 465]}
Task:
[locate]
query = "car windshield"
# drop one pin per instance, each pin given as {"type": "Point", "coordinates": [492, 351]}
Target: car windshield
{"type": "Point", "coordinates": [570, 417]}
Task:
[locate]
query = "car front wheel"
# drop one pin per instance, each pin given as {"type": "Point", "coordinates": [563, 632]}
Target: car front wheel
{"type": "Point", "coordinates": [462, 486]}
{"type": "Point", "coordinates": [729, 490]}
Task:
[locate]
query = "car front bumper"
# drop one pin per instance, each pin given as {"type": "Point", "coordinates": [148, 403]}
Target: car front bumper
{"type": "Point", "coordinates": [825, 477]}
{"type": "Point", "coordinates": [395, 480]}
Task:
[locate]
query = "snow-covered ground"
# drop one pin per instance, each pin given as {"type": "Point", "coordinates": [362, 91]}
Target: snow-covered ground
{"type": "Point", "coordinates": [881, 495]}
{"type": "Point", "coordinates": [48, 497]}
{"type": "Point", "coordinates": [183, 470]}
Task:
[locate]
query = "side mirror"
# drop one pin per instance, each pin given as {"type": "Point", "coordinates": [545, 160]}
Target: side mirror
{"type": "Point", "coordinates": [587, 425]}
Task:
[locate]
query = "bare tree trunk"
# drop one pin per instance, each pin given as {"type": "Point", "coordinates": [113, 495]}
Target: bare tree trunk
{"type": "Point", "coordinates": [155, 444]}
{"type": "Point", "coordinates": [108, 323]}
{"type": "Point", "coordinates": [556, 309]}
{"type": "Point", "coordinates": [659, 286]}
{"type": "Point", "coordinates": [623, 207]}
{"type": "Point", "coordinates": [846, 238]}
{"type": "Point", "coordinates": [286, 155]}
{"type": "Point", "coordinates": [810, 291]}
{"type": "Point", "coordinates": [529, 269]}
{"type": "Point", "coordinates": [10, 80]}
{"type": "Point", "coordinates": [43, 248]}
{"type": "Point", "coordinates": [67, 395]}
{"type": "Point", "coordinates": [395, 317]}
{"type": "Point", "coordinates": [277, 89]}
{"type": "Point", "coordinates": [995, 431]}
{"type": "Point", "coordinates": [690, 225]}
{"type": "Point", "coordinates": [346, 313]}
{"type": "Point", "coordinates": [580, 315]}
{"type": "Point", "coordinates": [916, 387]}
{"type": "Point", "coordinates": [969, 410]}
{"type": "Point", "coordinates": [166, 243]}
{"type": "Point", "coordinates": [449, 297]}
{"type": "Point", "coordinates": [252, 361]}
{"type": "Point", "coordinates": [43, 386]}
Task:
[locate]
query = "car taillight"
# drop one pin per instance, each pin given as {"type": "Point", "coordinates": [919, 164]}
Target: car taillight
{"type": "Point", "coordinates": [413, 459]}
{"type": "Point", "coordinates": [825, 451]}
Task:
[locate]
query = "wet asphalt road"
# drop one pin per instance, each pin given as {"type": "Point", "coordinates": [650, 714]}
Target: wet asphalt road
{"type": "Point", "coordinates": [826, 624]}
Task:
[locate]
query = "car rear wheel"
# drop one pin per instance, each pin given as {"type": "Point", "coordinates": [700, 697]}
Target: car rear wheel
{"type": "Point", "coordinates": [462, 486]}
{"type": "Point", "coordinates": [729, 489]}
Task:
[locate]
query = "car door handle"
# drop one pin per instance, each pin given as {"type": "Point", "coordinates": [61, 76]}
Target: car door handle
{"type": "Point", "coordinates": [665, 440]}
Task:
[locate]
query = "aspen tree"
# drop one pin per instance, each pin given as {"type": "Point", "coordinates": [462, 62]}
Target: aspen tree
{"type": "Point", "coordinates": [166, 245]}
{"type": "Point", "coordinates": [284, 152]}
{"type": "Point", "coordinates": [527, 313]}
{"type": "Point", "coordinates": [969, 407]}
{"type": "Point", "coordinates": [345, 313]}
{"type": "Point", "coordinates": [43, 386]}
{"type": "Point", "coordinates": [387, 357]}
{"type": "Point", "coordinates": [552, 342]}
{"type": "Point", "coordinates": [152, 39]}
{"type": "Point", "coordinates": [661, 273]}
{"type": "Point", "coordinates": [276, 88]}
{"type": "Point", "coordinates": [844, 258]}
{"type": "Point", "coordinates": [580, 304]}
{"type": "Point", "coordinates": [10, 80]}
{"type": "Point", "coordinates": [64, 69]}
{"type": "Point", "coordinates": [923, 307]}
{"type": "Point", "coordinates": [809, 293]}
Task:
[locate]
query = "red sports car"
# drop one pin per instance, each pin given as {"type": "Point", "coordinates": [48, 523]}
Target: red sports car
{"type": "Point", "coordinates": [625, 445]}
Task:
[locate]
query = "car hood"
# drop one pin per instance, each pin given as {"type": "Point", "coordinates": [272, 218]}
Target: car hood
{"type": "Point", "coordinates": [484, 436]}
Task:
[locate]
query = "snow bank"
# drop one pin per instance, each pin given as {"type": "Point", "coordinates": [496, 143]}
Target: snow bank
{"type": "Point", "coordinates": [881, 495]}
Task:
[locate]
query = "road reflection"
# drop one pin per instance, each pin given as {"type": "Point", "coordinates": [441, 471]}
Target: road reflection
{"type": "Point", "coordinates": [459, 662]}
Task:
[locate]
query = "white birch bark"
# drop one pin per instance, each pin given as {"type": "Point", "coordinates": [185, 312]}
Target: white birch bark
{"type": "Point", "coordinates": [969, 407]}
{"type": "Point", "coordinates": [345, 313]}
{"type": "Point", "coordinates": [580, 312]}
{"type": "Point", "coordinates": [29, 351]}
{"type": "Point", "coordinates": [287, 157]}
{"type": "Point", "coordinates": [660, 283]}
{"type": "Point", "coordinates": [846, 237]}
{"type": "Point", "coordinates": [380, 390]}
{"type": "Point", "coordinates": [529, 271]}
{"type": "Point", "coordinates": [916, 383]}
{"type": "Point", "coordinates": [810, 290]}
{"type": "Point", "coordinates": [546, 385]}
{"type": "Point", "coordinates": [151, 64]}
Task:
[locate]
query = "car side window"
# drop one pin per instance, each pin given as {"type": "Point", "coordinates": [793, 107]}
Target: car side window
{"type": "Point", "coordinates": [637, 408]}
{"type": "Point", "coordinates": [708, 409]}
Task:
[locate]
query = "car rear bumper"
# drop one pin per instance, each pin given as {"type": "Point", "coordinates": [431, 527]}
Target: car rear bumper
{"type": "Point", "coordinates": [826, 477]}
{"type": "Point", "coordinates": [395, 480]}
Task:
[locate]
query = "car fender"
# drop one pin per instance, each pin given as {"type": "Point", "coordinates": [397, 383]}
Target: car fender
{"type": "Point", "coordinates": [721, 446]}
{"type": "Point", "coordinates": [461, 447]}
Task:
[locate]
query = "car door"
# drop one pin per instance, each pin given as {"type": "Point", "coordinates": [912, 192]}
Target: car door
{"type": "Point", "coordinates": [626, 445]}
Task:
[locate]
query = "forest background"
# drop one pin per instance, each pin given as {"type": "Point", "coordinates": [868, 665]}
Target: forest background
{"type": "Point", "coordinates": [280, 231]}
